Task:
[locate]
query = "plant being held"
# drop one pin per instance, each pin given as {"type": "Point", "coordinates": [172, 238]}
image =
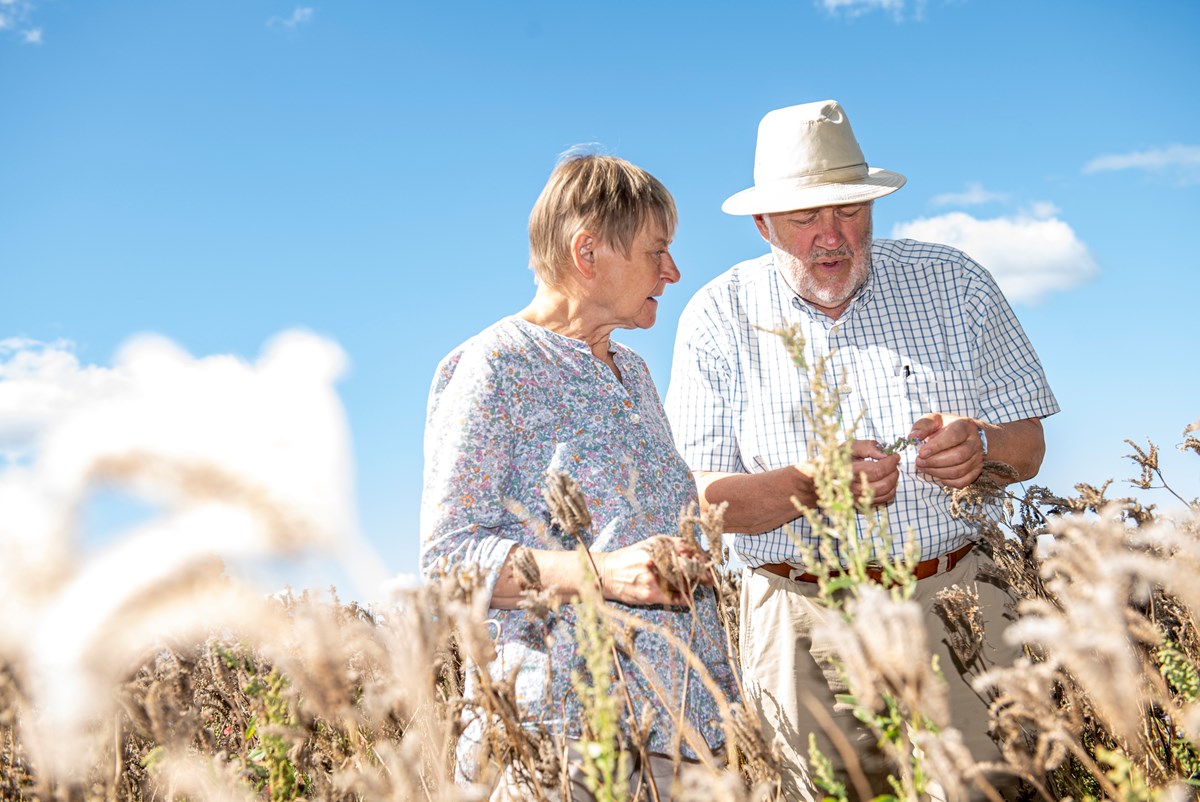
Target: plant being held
{"type": "Point", "coordinates": [893, 683]}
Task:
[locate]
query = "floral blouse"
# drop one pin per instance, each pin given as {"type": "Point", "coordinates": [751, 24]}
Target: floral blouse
{"type": "Point", "coordinates": [510, 405]}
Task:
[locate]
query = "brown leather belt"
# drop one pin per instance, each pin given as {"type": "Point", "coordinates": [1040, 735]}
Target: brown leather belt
{"type": "Point", "coordinates": [922, 570]}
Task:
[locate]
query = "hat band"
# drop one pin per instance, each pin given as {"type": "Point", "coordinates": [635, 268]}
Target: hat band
{"type": "Point", "coordinates": [836, 175]}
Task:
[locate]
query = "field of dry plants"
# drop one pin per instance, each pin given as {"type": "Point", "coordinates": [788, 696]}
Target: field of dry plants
{"type": "Point", "coordinates": [145, 672]}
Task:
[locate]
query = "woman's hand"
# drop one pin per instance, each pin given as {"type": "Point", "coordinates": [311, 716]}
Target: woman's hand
{"type": "Point", "coordinates": [658, 570]}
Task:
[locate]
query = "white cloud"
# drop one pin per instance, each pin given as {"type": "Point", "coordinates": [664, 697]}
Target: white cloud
{"type": "Point", "coordinates": [40, 383]}
{"type": "Point", "coordinates": [300, 16]}
{"type": "Point", "coordinates": [33, 36]}
{"type": "Point", "coordinates": [856, 8]}
{"type": "Point", "coordinates": [973, 195]}
{"type": "Point", "coordinates": [1029, 254]}
{"type": "Point", "coordinates": [1182, 160]}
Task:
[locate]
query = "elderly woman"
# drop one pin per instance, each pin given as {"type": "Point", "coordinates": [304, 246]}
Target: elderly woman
{"type": "Point", "coordinates": [546, 391]}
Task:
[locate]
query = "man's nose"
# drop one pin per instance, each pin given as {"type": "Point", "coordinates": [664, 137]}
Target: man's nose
{"type": "Point", "coordinates": [829, 232]}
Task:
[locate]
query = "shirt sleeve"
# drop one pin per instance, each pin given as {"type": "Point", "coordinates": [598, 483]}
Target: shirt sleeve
{"type": "Point", "coordinates": [698, 402]}
{"type": "Point", "coordinates": [1013, 385]}
{"type": "Point", "coordinates": [469, 457]}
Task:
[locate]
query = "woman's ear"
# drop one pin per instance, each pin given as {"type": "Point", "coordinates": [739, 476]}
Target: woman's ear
{"type": "Point", "coordinates": [583, 253]}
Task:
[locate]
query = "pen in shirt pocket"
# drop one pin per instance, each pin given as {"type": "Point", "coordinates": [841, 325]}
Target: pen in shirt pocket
{"type": "Point", "coordinates": [903, 374]}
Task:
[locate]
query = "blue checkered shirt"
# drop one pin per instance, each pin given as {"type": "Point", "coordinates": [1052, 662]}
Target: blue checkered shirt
{"type": "Point", "coordinates": [929, 331]}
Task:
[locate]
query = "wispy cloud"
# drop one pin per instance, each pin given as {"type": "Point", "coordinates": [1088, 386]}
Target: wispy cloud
{"type": "Point", "coordinates": [301, 15]}
{"type": "Point", "coordinates": [1182, 160]}
{"type": "Point", "coordinates": [856, 8]}
{"type": "Point", "coordinates": [1031, 253]}
{"type": "Point", "coordinates": [15, 16]}
{"type": "Point", "coordinates": [973, 195]}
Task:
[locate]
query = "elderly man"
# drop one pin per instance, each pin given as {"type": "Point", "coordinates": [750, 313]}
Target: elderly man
{"type": "Point", "coordinates": [929, 349]}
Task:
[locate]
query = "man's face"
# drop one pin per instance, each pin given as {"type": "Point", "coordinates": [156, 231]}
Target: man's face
{"type": "Point", "coordinates": [825, 253]}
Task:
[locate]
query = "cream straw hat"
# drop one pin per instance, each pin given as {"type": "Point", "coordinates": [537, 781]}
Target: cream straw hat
{"type": "Point", "coordinates": [807, 157]}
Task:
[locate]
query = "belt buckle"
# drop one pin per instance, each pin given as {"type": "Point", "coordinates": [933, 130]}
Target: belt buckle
{"type": "Point", "coordinates": [795, 572]}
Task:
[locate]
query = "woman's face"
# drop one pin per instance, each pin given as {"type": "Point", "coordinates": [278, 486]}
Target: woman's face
{"type": "Point", "coordinates": [627, 287]}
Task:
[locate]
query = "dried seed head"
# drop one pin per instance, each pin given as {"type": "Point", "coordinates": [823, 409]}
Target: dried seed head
{"type": "Point", "coordinates": [959, 608]}
{"type": "Point", "coordinates": [528, 575]}
{"type": "Point", "coordinates": [883, 651]}
{"type": "Point", "coordinates": [1031, 722]}
{"type": "Point", "coordinates": [687, 525]}
{"type": "Point", "coordinates": [1147, 461]}
{"type": "Point", "coordinates": [666, 565]}
{"type": "Point", "coordinates": [539, 604]}
{"type": "Point", "coordinates": [677, 573]}
{"type": "Point", "coordinates": [568, 507]}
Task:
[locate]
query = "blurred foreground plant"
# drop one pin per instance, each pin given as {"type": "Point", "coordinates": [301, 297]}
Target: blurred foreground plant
{"type": "Point", "coordinates": [146, 673]}
{"type": "Point", "coordinates": [1103, 707]}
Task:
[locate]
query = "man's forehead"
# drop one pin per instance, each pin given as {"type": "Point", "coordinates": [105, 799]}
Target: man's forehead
{"type": "Point", "coordinates": [815, 209]}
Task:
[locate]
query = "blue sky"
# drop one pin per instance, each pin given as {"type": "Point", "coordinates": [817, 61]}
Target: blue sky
{"type": "Point", "coordinates": [219, 172]}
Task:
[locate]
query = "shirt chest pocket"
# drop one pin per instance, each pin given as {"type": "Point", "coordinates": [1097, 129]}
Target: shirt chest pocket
{"type": "Point", "coordinates": [952, 392]}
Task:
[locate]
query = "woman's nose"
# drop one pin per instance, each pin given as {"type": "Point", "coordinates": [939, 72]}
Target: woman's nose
{"type": "Point", "coordinates": [670, 270]}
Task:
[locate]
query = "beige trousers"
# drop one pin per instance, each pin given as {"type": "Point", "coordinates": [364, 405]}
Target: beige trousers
{"type": "Point", "coordinates": [781, 665]}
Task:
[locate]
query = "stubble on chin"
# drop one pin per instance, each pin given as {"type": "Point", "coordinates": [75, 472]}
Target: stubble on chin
{"type": "Point", "coordinates": [804, 284]}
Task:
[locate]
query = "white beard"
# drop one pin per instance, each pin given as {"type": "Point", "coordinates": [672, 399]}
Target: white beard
{"type": "Point", "coordinates": [806, 283]}
{"type": "Point", "coordinates": [822, 293]}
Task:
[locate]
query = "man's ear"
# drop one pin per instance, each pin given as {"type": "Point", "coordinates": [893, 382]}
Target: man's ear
{"type": "Point", "coordinates": [763, 231]}
{"type": "Point", "coordinates": [583, 253]}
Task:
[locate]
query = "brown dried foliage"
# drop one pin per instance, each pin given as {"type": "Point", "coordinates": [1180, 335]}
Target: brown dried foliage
{"type": "Point", "coordinates": [359, 705]}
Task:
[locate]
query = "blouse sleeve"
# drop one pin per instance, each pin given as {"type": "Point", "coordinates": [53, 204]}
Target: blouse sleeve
{"type": "Point", "coordinates": [469, 458]}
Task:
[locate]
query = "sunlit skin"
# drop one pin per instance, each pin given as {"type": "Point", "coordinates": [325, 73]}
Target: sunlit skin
{"type": "Point", "coordinates": [607, 288]}
{"type": "Point", "coordinates": [824, 253]}
{"type": "Point", "coordinates": [628, 285]}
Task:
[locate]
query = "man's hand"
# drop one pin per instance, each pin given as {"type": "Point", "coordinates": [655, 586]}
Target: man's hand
{"type": "Point", "coordinates": [880, 471]}
{"type": "Point", "coordinates": [952, 453]}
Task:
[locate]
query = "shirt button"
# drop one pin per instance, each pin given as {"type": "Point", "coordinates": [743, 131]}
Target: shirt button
{"type": "Point", "coordinates": [636, 418]}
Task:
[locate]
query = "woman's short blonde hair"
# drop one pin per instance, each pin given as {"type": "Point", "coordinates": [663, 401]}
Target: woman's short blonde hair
{"type": "Point", "coordinates": [605, 195]}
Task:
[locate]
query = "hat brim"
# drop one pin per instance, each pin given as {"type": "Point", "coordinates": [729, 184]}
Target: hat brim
{"type": "Point", "coordinates": [790, 196]}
